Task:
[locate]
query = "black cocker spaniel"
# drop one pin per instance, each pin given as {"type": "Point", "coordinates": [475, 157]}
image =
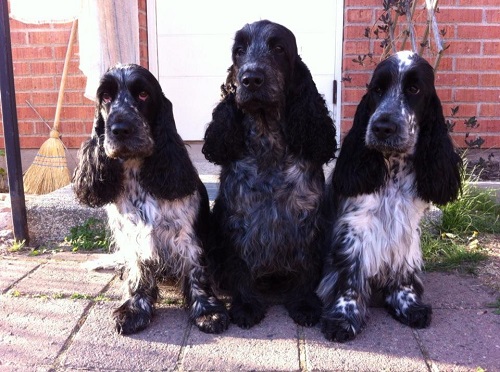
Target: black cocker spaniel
{"type": "Point", "coordinates": [271, 133]}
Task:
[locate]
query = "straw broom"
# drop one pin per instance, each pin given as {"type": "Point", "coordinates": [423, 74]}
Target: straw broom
{"type": "Point", "coordinates": [49, 170]}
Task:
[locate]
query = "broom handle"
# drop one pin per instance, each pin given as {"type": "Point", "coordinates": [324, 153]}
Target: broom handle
{"type": "Point", "coordinates": [64, 75]}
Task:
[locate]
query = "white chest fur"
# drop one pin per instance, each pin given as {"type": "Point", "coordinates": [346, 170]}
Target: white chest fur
{"type": "Point", "coordinates": [146, 228]}
{"type": "Point", "coordinates": [383, 227]}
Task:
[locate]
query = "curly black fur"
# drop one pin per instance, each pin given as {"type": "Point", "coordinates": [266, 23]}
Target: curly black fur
{"type": "Point", "coordinates": [271, 133]}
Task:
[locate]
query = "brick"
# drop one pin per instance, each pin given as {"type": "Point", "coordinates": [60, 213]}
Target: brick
{"type": "Point", "coordinates": [478, 31]}
{"type": "Point", "coordinates": [465, 110]}
{"type": "Point", "coordinates": [444, 94]}
{"type": "Point", "coordinates": [45, 98]}
{"type": "Point", "coordinates": [478, 64]}
{"type": "Point", "coordinates": [352, 95]}
{"type": "Point", "coordinates": [46, 68]}
{"type": "Point", "coordinates": [458, 47]}
{"type": "Point", "coordinates": [21, 68]}
{"type": "Point", "coordinates": [32, 53]}
{"type": "Point", "coordinates": [25, 127]}
{"type": "Point", "coordinates": [31, 142]}
{"type": "Point", "coordinates": [456, 79]}
{"type": "Point", "coordinates": [367, 3]}
{"type": "Point", "coordinates": [359, 15]}
{"type": "Point", "coordinates": [490, 80]}
{"type": "Point", "coordinates": [476, 3]}
{"type": "Point", "coordinates": [50, 37]}
{"type": "Point", "coordinates": [491, 48]}
{"type": "Point", "coordinates": [459, 15]}
{"type": "Point", "coordinates": [493, 15]}
{"type": "Point", "coordinates": [43, 83]}
{"type": "Point", "coordinates": [23, 84]}
{"type": "Point", "coordinates": [477, 95]}
{"type": "Point", "coordinates": [18, 38]}
{"type": "Point", "coordinates": [75, 82]}
{"type": "Point", "coordinates": [490, 110]}
{"type": "Point", "coordinates": [21, 98]}
{"type": "Point", "coordinates": [354, 32]}
{"type": "Point", "coordinates": [74, 142]}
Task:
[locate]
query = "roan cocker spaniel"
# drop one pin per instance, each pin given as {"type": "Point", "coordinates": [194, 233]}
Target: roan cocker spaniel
{"type": "Point", "coordinates": [397, 158]}
{"type": "Point", "coordinates": [271, 133]}
{"type": "Point", "coordinates": [136, 164]}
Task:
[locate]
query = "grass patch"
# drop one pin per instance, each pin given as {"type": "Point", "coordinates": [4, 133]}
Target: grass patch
{"type": "Point", "coordinates": [495, 305]}
{"type": "Point", "coordinates": [458, 245]}
{"type": "Point", "coordinates": [93, 234]}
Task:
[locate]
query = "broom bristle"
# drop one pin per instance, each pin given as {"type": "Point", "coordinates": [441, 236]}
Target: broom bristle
{"type": "Point", "coordinates": [49, 170]}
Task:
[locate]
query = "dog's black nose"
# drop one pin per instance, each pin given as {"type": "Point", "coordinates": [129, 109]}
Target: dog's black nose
{"type": "Point", "coordinates": [383, 128]}
{"type": "Point", "coordinates": [252, 80]}
{"type": "Point", "coordinates": [121, 130]}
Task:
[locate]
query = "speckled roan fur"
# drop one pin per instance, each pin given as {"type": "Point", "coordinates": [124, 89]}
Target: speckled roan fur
{"type": "Point", "coordinates": [137, 166]}
{"type": "Point", "coordinates": [396, 159]}
{"type": "Point", "coordinates": [271, 139]}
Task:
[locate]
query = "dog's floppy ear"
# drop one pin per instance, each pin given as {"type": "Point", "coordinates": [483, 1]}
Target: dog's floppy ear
{"type": "Point", "coordinates": [168, 173]}
{"type": "Point", "coordinates": [437, 165]}
{"type": "Point", "coordinates": [359, 170]}
{"type": "Point", "coordinates": [97, 179]}
{"type": "Point", "coordinates": [225, 136]}
{"type": "Point", "coordinates": [309, 130]}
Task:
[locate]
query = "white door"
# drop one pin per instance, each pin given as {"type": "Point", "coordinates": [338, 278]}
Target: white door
{"type": "Point", "coordinates": [190, 49]}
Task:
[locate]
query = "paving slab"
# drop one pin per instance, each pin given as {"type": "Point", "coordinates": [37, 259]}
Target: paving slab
{"type": "Point", "coordinates": [463, 340]}
{"type": "Point", "coordinates": [63, 278]}
{"type": "Point", "coordinates": [450, 291]}
{"type": "Point", "coordinates": [12, 270]}
{"type": "Point", "coordinates": [268, 346]}
{"type": "Point", "coordinates": [98, 346]}
{"type": "Point", "coordinates": [33, 331]}
{"type": "Point", "coordinates": [384, 345]}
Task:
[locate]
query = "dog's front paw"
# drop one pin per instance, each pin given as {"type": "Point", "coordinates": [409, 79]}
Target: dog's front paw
{"type": "Point", "coordinates": [417, 315]}
{"type": "Point", "coordinates": [339, 330]}
{"type": "Point", "coordinates": [305, 312]}
{"type": "Point", "coordinates": [130, 318]}
{"type": "Point", "coordinates": [246, 315]}
{"type": "Point", "coordinates": [216, 322]}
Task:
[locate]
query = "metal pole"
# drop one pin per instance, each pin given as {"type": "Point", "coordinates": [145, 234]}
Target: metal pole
{"type": "Point", "coordinates": [10, 129]}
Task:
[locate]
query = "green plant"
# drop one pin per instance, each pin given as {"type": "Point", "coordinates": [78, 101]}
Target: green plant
{"type": "Point", "coordinates": [93, 234]}
{"type": "Point", "coordinates": [495, 305]}
{"type": "Point", "coordinates": [474, 210]}
{"type": "Point", "coordinates": [458, 245]}
{"type": "Point", "coordinates": [17, 245]}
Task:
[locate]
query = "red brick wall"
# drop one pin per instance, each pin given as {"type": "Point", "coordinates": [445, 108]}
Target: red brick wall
{"type": "Point", "coordinates": [468, 75]}
{"type": "Point", "coordinates": [38, 53]}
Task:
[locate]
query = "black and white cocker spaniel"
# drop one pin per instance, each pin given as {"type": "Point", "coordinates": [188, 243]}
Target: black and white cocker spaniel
{"type": "Point", "coordinates": [136, 164]}
{"type": "Point", "coordinates": [397, 158]}
{"type": "Point", "coordinates": [270, 133]}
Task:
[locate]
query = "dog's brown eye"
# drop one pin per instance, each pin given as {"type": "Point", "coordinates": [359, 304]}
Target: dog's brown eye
{"type": "Point", "coordinates": [278, 49]}
{"type": "Point", "coordinates": [413, 89]}
{"type": "Point", "coordinates": [106, 98]}
{"type": "Point", "coordinates": [143, 95]}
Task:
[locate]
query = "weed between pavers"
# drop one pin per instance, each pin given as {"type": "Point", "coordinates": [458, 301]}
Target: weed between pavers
{"type": "Point", "coordinates": [93, 234]}
{"type": "Point", "coordinates": [60, 296]}
{"type": "Point", "coordinates": [495, 305]}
